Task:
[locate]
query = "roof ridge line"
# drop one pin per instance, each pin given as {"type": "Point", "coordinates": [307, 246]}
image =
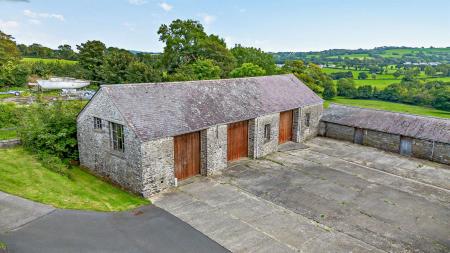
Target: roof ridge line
{"type": "Point", "coordinates": [191, 81]}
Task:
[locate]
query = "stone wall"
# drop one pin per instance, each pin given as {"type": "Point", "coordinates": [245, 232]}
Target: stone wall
{"type": "Point", "coordinates": [381, 140]}
{"type": "Point", "coordinates": [9, 143]}
{"type": "Point", "coordinates": [94, 145]}
{"type": "Point", "coordinates": [301, 131]}
{"type": "Point", "coordinates": [261, 146]}
{"type": "Point", "coordinates": [214, 150]}
{"type": "Point", "coordinates": [158, 170]}
{"type": "Point", "coordinates": [441, 152]}
{"type": "Point", "coordinates": [339, 132]}
{"type": "Point", "coordinates": [422, 148]}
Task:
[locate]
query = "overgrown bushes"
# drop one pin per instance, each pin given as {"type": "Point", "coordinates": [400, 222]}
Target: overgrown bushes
{"type": "Point", "coordinates": [49, 130]}
{"type": "Point", "coordinates": [9, 115]}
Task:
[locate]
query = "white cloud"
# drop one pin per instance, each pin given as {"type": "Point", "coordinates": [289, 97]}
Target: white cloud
{"type": "Point", "coordinates": [208, 19]}
{"type": "Point", "coordinates": [165, 6]}
{"type": "Point", "coordinates": [130, 26]}
{"type": "Point", "coordinates": [36, 15]}
{"type": "Point", "coordinates": [34, 21]}
{"type": "Point", "coordinates": [9, 26]}
{"type": "Point", "coordinates": [137, 2]}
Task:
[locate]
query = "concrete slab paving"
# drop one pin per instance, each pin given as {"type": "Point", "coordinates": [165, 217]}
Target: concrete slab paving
{"type": "Point", "coordinates": [332, 197]}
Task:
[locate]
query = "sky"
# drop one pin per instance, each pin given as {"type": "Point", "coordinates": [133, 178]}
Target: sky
{"type": "Point", "coordinates": [272, 25]}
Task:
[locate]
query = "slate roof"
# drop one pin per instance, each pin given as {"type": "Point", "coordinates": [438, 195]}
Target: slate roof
{"type": "Point", "coordinates": [421, 127]}
{"type": "Point", "coordinates": [156, 110]}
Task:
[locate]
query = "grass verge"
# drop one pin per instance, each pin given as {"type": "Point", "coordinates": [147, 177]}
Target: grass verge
{"type": "Point", "coordinates": [389, 106]}
{"type": "Point", "coordinates": [6, 134]}
{"type": "Point", "coordinates": [23, 175]}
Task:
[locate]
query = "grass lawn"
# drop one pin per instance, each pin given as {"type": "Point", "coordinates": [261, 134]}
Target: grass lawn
{"type": "Point", "coordinates": [23, 175]}
{"type": "Point", "coordinates": [379, 83]}
{"type": "Point", "coordinates": [6, 134]}
{"type": "Point", "coordinates": [389, 106]}
{"type": "Point", "coordinates": [48, 60]}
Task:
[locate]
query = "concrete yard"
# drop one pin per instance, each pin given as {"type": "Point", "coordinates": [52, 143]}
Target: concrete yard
{"type": "Point", "coordinates": [328, 196]}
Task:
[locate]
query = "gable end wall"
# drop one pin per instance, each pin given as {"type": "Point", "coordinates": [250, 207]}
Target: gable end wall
{"type": "Point", "coordinates": [94, 145]}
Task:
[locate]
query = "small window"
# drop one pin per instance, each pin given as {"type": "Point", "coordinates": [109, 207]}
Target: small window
{"type": "Point", "coordinates": [307, 119]}
{"type": "Point", "coordinates": [267, 132]}
{"type": "Point", "coordinates": [117, 138]}
{"type": "Point", "coordinates": [97, 123]}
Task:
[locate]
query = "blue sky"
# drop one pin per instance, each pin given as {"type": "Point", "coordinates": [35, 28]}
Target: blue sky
{"type": "Point", "coordinates": [272, 25]}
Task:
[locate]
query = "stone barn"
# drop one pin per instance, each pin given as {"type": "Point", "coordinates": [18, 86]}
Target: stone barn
{"type": "Point", "coordinates": [410, 135]}
{"type": "Point", "coordinates": [147, 137]}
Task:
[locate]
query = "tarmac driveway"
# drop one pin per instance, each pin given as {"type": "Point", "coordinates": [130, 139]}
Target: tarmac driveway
{"type": "Point", "coordinates": [26, 226]}
{"type": "Point", "coordinates": [330, 197]}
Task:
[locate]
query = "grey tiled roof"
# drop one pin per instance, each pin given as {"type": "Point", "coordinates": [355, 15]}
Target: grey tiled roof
{"type": "Point", "coordinates": [421, 127]}
{"type": "Point", "coordinates": [157, 110]}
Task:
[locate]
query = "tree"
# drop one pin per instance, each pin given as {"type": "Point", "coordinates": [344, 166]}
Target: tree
{"type": "Point", "coordinates": [362, 75]}
{"type": "Point", "coordinates": [374, 76]}
{"type": "Point", "coordinates": [186, 42]}
{"type": "Point", "coordinates": [139, 72]}
{"type": "Point", "coordinates": [329, 90]}
{"type": "Point", "coordinates": [296, 66]}
{"type": "Point", "coordinates": [311, 74]}
{"type": "Point", "coordinates": [198, 70]}
{"type": "Point", "coordinates": [38, 51]}
{"type": "Point", "coordinates": [346, 87]}
{"type": "Point", "coordinates": [442, 98]}
{"type": "Point", "coordinates": [397, 74]}
{"type": "Point", "coordinates": [65, 52]}
{"type": "Point", "coordinates": [91, 55]}
{"type": "Point", "coordinates": [8, 49]}
{"type": "Point", "coordinates": [365, 91]}
{"type": "Point", "coordinates": [13, 74]}
{"type": "Point", "coordinates": [430, 71]}
{"type": "Point", "coordinates": [248, 70]}
{"type": "Point", "coordinates": [115, 65]}
{"type": "Point", "coordinates": [255, 56]}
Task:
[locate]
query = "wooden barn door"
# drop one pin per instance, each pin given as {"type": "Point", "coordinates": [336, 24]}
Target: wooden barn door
{"type": "Point", "coordinates": [187, 155]}
{"type": "Point", "coordinates": [237, 140]}
{"type": "Point", "coordinates": [285, 133]}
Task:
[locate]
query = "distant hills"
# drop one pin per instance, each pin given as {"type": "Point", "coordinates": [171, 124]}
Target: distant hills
{"type": "Point", "coordinates": [394, 55]}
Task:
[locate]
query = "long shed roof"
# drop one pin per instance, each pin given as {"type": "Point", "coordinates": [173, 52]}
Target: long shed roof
{"type": "Point", "coordinates": [156, 110]}
{"type": "Point", "coordinates": [430, 128]}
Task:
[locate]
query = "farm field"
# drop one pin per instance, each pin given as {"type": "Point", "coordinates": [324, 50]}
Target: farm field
{"type": "Point", "coordinates": [390, 106]}
{"type": "Point", "coordinates": [23, 175]}
{"type": "Point", "coordinates": [48, 60]}
{"type": "Point", "coordinates": [382, 81]}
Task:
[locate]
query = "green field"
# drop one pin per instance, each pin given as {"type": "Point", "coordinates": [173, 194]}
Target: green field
{"type": "Point", "coordinates": [48, 60]}
{"type": "Point", "coordinates": [382, 81]}
{"type": "Point", "coordinates": [397, 53]}
{"type": "Point", "coordinates": [23, 175]}
{"type": "Point", "coordinates": [389, 106]}
{"type": "Point", "coordinates": [378, 83]}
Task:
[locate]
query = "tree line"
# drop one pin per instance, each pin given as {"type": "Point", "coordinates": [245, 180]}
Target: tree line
{"type": "Point", "coordinates": [189, 54]}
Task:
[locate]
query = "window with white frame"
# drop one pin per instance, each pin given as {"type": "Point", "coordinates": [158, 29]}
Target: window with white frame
{"type": "Point", "coordinates": [117, 136]}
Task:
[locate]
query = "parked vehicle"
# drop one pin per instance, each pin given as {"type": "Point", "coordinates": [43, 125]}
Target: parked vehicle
{"type": "Point", "coordinates": [12, 92]}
